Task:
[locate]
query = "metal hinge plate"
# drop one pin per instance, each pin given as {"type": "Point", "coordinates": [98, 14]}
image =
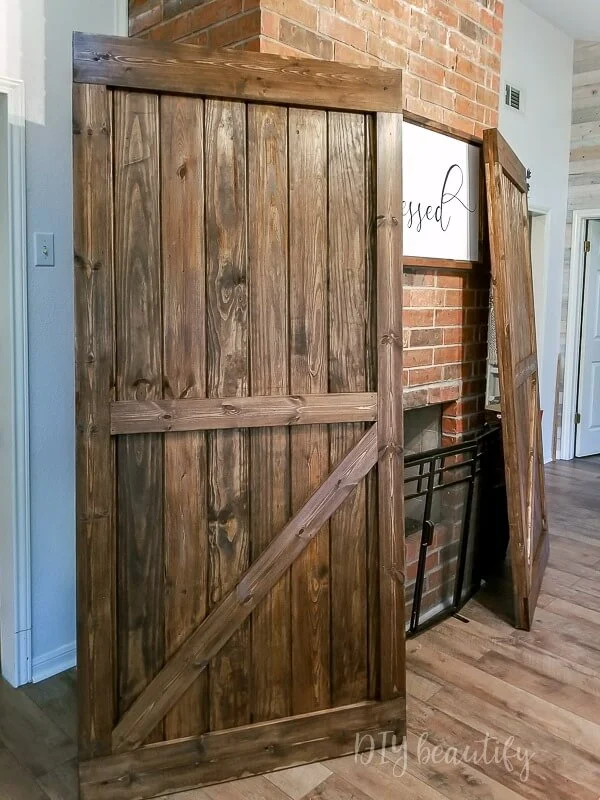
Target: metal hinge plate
{"type": "Point", "coordinates": [587, 247]}
{"type": "Point", "coordinates": [577, 418]}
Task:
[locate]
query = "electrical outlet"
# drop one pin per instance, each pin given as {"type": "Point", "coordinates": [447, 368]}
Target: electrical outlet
{"type": "Point", "coordinates": [44, 249]}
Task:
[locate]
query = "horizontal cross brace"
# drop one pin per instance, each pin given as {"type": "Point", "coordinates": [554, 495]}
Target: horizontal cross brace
{"type": "Point", "coordinates": [240, 752]}
{"type": "Point", "coordinates": [165, 416]}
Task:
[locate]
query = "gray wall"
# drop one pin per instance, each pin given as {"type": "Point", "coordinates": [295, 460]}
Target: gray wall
{"type": "Point", "coordinates": [36, 47]}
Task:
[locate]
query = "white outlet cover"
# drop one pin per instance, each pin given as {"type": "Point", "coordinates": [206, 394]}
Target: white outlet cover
{"type": "Point", "coordinates": [44, 249]}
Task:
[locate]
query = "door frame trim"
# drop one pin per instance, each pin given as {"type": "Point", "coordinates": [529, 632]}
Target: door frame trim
{"type": "Point", "coordinates": [574, 316]}
{"type": "Point", "coordinates": [15, 549]}
{"type": "Point", "coordinates": [121, 17]}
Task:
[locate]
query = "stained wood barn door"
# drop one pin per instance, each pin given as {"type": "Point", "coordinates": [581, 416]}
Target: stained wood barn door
{"type": "Point", "coordinates": [239, 361]}
{"type": "Point", "coordinates": [519, 382]}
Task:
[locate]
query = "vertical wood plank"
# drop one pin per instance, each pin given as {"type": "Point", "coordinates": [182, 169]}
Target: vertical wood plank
{"type": "Point", "coordinates": [269, 464]}
{"type": "Point", "coordinates": [184, 376]}
{"type": "Point", "coordinates": [347, 373]}
{"type": "Point", "coordinates": [389, 406]}
{"type": "Point", "coordinates": [96, 545]}
{"type": "Point", "coordinates": [309, 445]}
{"type": "Point", "coordinates": [140, 590]}
{"type": "Point", "coordinates": [227, 370]}
{"type": "Point", "coordinates": [373, 612]}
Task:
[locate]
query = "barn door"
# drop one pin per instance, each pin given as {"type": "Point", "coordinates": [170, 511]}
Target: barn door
{"type": "Point", "coordinates": [239, 359]}
{"type": "Point", "coordinates": [519, 385]}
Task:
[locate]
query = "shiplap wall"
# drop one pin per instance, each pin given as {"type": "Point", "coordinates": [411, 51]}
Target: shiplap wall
{"type": "Point", "coordinates": [584, 168]}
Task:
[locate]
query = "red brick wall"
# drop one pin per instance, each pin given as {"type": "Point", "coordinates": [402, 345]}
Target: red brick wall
{"type": "Point", "coordinates": [445, 336]}
{"type": "Point", "coordinates": [449, 51]}
{"type": "Point", "coordinates": [211, 23]}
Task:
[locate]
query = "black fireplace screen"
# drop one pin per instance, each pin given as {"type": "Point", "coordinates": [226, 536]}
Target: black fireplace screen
{"type": "Point", "coordinates": [450, 494]}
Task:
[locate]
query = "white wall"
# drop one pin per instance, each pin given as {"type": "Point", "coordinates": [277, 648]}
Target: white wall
{"type": "Point", "coordinates": [35, 46]}
{"type": "Point", "coordinates": [538, 58]}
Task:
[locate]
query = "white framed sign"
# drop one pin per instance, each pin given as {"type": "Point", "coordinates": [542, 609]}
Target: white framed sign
{"type": "Point", "coordinates": [441, 182]}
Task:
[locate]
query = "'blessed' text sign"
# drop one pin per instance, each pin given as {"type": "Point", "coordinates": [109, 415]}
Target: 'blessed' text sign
{"type": "Point", "coordinates": [441, 195]}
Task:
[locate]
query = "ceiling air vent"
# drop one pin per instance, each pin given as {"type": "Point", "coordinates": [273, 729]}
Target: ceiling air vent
{"type": "Point", "coordinates": [513, 97]}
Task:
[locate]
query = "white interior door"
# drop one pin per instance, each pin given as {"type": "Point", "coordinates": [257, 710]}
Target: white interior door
{"type": "Point", "coordinates": [588, 429]}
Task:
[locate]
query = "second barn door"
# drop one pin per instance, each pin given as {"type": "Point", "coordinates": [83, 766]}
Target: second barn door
{"type": "Point", "coordinates": [241, 564]}
{"type": "Point", "coordinates": [512, 280]}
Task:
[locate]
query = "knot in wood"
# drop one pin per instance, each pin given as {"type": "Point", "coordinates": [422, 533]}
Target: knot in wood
{"type": "Point", "coordinates": [391, 338]}
{"type": "Point", "coordinates": [395, 573]}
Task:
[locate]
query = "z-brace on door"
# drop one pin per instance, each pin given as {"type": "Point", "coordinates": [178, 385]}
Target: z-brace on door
{"type": "Point", "coordinates": [517, 354]}
{"type": "Point", "coordinates": [239, 372]}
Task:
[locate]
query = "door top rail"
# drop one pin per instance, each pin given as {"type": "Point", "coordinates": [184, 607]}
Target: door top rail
{"type": "Point", "coordinates": [260, 77]}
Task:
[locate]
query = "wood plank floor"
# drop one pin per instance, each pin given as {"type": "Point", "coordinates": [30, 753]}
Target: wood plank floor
{"type": "Point", "coordinates": [494, 714]}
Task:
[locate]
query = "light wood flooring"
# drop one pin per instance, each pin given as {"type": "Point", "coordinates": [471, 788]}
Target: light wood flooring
{"type": "Point", "coordinates": [527, 706]}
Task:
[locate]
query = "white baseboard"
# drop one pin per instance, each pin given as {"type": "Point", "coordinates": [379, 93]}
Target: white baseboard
{"type": "Point", "coordinates": [15, 651]}
{"type": "Point", "coordinates": [52, 663]}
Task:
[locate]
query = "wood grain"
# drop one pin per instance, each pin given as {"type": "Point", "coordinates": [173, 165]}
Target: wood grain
{"type": "Point", "coordinates": [264, 573]}
{"type": "Point", "coordinates": [517, 352]}
{"type": "Point", "coordinates": [167, 416]}
{"type": "Point", "coordinates": [249, 750]}
{"type": "Point", "coordinates": [237, 391]}
{"type": "Point", "coordinates": [140, 518]}
{"type": "Point", "coordinates": [184, 376]}
{"type": "Point", "coordinates": [347, 373]}
{"type": "Point", "coordinates": [94, 356]}
{"type": "Point", "coordinates": [228, 376]}
{"type": "Point", "coordinates": [269, 448]}
{"type": "Point", "coordinates": [373, 573]}
{"type": "Point", "coordinates": [309, 447]}
{"type": "Point", "coordinates": [389, 407]}
{"type": "Point", "coordinates": [180, 68]}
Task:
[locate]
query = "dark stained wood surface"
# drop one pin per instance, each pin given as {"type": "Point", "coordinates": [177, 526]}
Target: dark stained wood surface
{"type": "Point", "coordinates": [389, 407]}
{"type": "Point", "coordinates": [243, 375]}
{"type": "Point", "coordinates": [228, 376]}
{"type": "Point", "coordinates": [140, 588]}
{"type": "Point", "coordinates": [519, 378]}
{"type": "Point", "coordinates": [244, 751]}
{"type": "Point", "coordinates": [186, 69]}
{"type": "Point", "coordinates": [255, 584]}
{"type": "Point", "coordinates": [96, 507]}
{"type": "Point", "coordinates": [156, 416]}
{"type": "Point", "coordinates": [269, 448]}
{"type": "Point", "coordinates": [348, 330]}
{"type": "Point", "coordinates": [373, 572]}
{"type": "Point", "coordinates": [184, 376]}
{"type": "Point", "coordinates": [309, 447]}
{"type": "Point", "coordinates": [511, 166]}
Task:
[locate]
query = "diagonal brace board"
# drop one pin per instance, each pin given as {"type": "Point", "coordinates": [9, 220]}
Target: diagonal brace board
{"type": "Point", "coordinates": [218, 627]}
